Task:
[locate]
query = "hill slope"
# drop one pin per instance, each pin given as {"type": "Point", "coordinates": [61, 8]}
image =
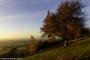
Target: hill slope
{"type": "Point", "coordinates": [78, 49]}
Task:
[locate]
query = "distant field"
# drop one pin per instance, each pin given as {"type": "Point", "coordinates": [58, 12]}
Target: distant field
{"type": "Point", "coordinates": [5, 46]}
{"type": "Point", "coordinates": [78, 49]}
{"type": "Point", "coordinates": [14, 43]}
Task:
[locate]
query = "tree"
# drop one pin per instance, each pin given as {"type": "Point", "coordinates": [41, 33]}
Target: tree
{"type": "Point", "coordinates": [32, 46]}
{"type": "Point", "coordinates": [49, 26]}
{"type": "Point", "coordinates": [68, 22]}
{"type": "Point", "coordinates": [72, 19]}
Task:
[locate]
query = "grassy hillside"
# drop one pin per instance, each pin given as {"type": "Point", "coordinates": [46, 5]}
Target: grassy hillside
{"type": "Point", "coordinates": [78, 49]}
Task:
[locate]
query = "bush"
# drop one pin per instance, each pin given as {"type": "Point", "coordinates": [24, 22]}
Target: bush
{"type": "Point", "coordinates": [42, 44]}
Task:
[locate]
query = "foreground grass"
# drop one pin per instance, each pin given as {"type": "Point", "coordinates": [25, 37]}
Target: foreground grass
{"type": "Point", "coordinates": [77, 50]}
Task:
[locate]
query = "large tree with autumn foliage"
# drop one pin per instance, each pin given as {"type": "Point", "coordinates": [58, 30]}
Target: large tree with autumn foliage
{"type": "Point", "coordinates": [67, 22]}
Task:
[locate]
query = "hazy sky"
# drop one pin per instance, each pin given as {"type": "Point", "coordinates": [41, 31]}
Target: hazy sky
{"type": "Point", "coordinates": [21, 18]}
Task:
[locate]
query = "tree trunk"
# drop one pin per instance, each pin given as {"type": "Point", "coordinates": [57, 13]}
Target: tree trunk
{"type": "Point", "coordinates": [65, 43]}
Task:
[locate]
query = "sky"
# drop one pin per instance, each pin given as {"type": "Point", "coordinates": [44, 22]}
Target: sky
{"type": "Point", "coordinates": [22, 18]}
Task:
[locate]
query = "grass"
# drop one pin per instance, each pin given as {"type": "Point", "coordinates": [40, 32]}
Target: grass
{"type": "Point", "coordinates": [77, 50]}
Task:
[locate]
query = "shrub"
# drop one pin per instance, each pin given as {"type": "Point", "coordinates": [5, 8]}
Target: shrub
{"type": "Point", "coordinates": [32, 47]}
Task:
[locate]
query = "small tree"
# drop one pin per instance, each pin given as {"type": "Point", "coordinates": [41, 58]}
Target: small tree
{"type": "Point", "coordinates": [32, 46]}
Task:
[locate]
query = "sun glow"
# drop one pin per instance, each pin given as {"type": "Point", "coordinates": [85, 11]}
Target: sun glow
{"type": "Point", "coordinates": [19, 35]}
